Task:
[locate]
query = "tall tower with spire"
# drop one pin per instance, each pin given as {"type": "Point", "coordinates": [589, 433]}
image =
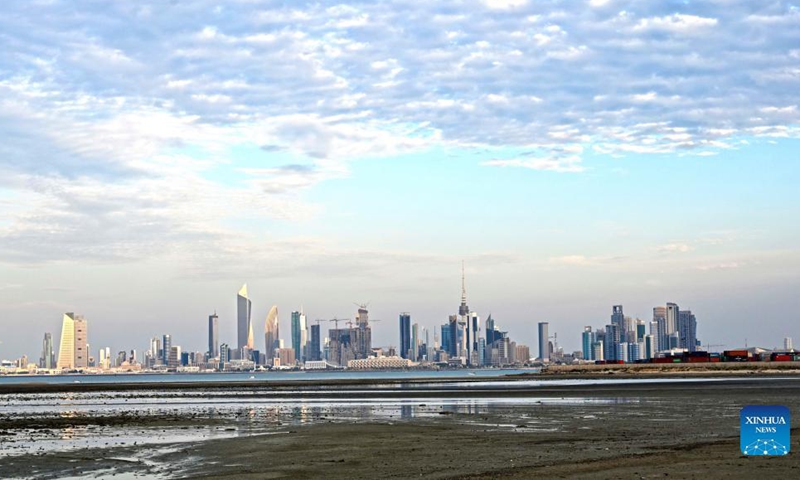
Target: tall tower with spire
{"type": "Point", "coordinates": [463, 319]}
{"type": "Point", "coordinates": [463, 310]}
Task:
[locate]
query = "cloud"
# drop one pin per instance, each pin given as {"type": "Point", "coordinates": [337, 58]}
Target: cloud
{"type": "Point", "coordinates": [579, 260]}
{"type": "Point", "coordinates": [98, 107]}
{"type": "Point", "coordinates": [561, 165]}
{"type": "Point", "coordinates": [675, 248]}
{"type": "Point", "coordinates": [291, 178]}
{"type": "Point", "coordinates": [677, 23]}
{"type": "Point", "coordinates": [719, 266]}
{"type": "Point", "coordinates": [504, 4]}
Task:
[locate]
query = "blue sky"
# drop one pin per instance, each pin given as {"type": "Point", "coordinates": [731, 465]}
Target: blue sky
{"type": "Point", "coordinates": [155, 156]}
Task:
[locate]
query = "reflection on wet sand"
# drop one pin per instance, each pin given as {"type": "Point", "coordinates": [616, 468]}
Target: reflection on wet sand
{"type": "Point", "coordinates": [605, 419]}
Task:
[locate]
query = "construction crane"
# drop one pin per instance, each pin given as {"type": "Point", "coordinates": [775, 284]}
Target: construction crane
{"type": "Point", "coordinates": [337, 320]}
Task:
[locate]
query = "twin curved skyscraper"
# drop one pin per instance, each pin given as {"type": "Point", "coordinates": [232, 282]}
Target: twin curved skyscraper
{"type": "Point", "coordinates": [245, 325]}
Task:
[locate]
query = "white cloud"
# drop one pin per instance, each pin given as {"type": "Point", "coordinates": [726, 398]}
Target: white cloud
{"type": "Point", "coordinates": [675, 248]}
{"type": "Point", "coordinates": [504, 4]}
{"type": "Point", "coordinates": [719, 266]}
{"type": "Point", "coordinates": [570, 164]}
{"type": "Point", "coordinates": [677, 23]}
{"type": "Point", "coordinates": [580, 260]}
{"type": "Point", "coordinates": [331, 83]}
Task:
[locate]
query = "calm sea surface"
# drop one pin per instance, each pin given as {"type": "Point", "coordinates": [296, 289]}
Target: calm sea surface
{"type": "Point", "coordinates": [146, 378]}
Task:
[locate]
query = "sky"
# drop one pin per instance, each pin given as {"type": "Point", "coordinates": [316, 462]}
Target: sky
{"type": "Point", "coordinates": [155, 156]}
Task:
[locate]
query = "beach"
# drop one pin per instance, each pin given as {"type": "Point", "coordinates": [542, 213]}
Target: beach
{"type": "Point", "coordinates": [454, 428]}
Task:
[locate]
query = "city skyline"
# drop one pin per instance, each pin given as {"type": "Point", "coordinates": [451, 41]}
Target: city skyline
{"type": "Point", "coordinates": [156, 155]}
{"type": "Point", "coordinates": [664, 321]}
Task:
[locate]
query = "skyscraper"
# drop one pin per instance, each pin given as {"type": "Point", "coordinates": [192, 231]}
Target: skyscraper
{"type": "Point", "coordinates": [314, 346]}
{"type": "Point", "coordinates": [66, 348]}
{"type": "Point", "coordinates": [48, 358]}
{"type": "Point", "coordinates": [611, 343]}
{"type": "Point", "coordinates": [166, 345]}
{"type": "Point", "coordinates": [155, 349]}
{"type": "Point", "coordinates": [650, 346]}
{"type": "Point", "coordinates": [299, 335]}
{"type": "Point", "coordinates": [475, 328]}
{"type": "Point", "coordinates": [243, 322]}
{"type": "Point", "coordinates": [453, 331]}
{"type": "Point", "coordinates": [224, 354]}
{"type": "Point", "coordinates": [489, 330]}
{"type": "Point", "coordinates": [445, 338]}
{"type": "Point", "coordinates": [687, 330]}
{"type": "Point", "coordinates": [81, 342]}
{"type": "Point", "coordinates": [660, 319]}
{"type": "Point", "coordinates": [213, 336]}
{"type": "Point", "coordinates": [414, 352]}
{"type": "Point", "coordinates": [587, 339]}
{"type": "Point", "coordinates": [672, 319]}
{"type": "Point", "coordinates": [405, 334]}
{"type": "Point", "coordinates": [787, 344]}
{"type": "Point", "coordinates": [361, 336]}
{"type": "Point", "coordinates": [73, 349]}
{"type": "Point", "coordinates": [544, 335]}
{"type": "Point", "coordinates": [617, 317]}
{"type": "Point", "coordinates": [641, 328]}
{"type": "Point", "coordinates": [271, 334]}
{"type": "Point", "coordinates": [174, 356]}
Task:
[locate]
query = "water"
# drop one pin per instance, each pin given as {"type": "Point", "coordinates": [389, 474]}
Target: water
{"type": "Point", "coordinates": [164, 418]}
{"type": "Point", "coordinates": [310, 375]}
{"type": "Point", "coordinates": [136, 427]}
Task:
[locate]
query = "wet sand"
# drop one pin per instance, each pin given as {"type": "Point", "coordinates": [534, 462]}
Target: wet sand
{"type": "Point", "coordinates": [639, 430]}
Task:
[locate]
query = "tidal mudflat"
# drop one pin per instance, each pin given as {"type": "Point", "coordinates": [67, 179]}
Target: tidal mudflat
{"type": "Point", "coordinates": [432, 429]}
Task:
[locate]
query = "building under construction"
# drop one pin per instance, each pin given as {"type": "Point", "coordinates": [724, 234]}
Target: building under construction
{"type": "Point", "coordinates": [352, 343]}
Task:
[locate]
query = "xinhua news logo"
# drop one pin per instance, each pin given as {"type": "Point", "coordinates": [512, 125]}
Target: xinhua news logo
{"type": "Point", "coordinates": [765, 430]}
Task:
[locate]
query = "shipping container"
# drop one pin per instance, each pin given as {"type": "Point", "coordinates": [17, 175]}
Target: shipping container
{"type": "Point", "coordinates": [662, 360]}
{"type": "Point", "coordinates": [699, 359]}
{"type": "Point", "coordinates": [736, 353]}
{"type": "Point", "coordinates": [781, 357]}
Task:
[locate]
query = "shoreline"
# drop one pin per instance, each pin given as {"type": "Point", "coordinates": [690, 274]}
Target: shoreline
{"type": "Point", "coordinates": [681, 429]}
{"type": "Point", "coordinates": [504, 386]}
{"type": "Point", "coordinates": [470, 430]}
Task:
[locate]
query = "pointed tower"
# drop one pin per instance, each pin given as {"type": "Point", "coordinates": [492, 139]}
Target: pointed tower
{"type": "Point", "coordinates": [244, 326]}
{"type": "Point", "coordinates": [463, 310]}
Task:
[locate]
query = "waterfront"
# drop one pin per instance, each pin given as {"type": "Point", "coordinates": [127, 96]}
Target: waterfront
{"type": "Point", "coordinates": [277, 376]}
{"type": "Point", "coordinates": [449, 428]}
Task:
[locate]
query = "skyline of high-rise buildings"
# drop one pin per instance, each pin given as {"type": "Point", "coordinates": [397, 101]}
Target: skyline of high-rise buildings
{"type": "Point", "coordinates": [624, 339]}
